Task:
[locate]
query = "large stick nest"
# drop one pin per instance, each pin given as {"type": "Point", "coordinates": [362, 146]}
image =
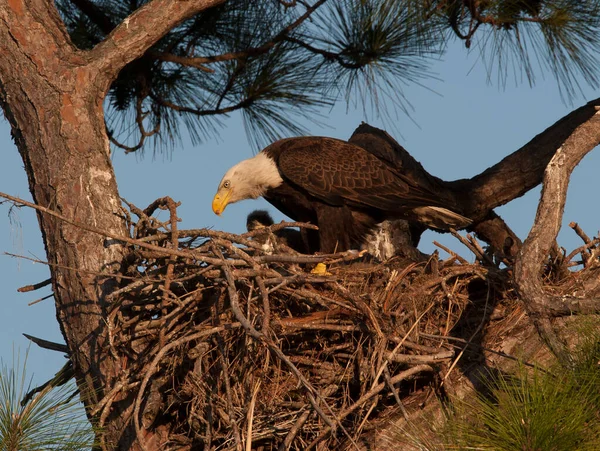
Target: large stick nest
{"type": "Point", "coordinates": [231, 338]}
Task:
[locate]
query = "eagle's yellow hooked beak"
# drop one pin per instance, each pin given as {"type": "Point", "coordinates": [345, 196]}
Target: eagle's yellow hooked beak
{"type": "Point", "coordinates": [220, 201]}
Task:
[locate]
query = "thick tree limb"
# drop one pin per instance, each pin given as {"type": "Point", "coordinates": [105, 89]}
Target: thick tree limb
{"type": "Point", "coordinates": [541, 239]}
{"type": "Point", "coordinates": [52, 93]}
{"type": "Point", "coordinates": [520, 171]}
{"type": "Point", "coordinates": [493, 230]}
{"type": "Point", "coordinates": [22, 21]}
{"type": "Point", "coordinates": [130, 39]}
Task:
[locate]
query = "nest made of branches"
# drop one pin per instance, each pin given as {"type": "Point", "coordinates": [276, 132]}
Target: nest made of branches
{"type": "Point", "coordinates": [230, 339]}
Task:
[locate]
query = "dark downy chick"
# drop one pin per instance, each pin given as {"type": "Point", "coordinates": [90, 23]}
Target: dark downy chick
{"type": "Point", "coordinates": [259, 219]}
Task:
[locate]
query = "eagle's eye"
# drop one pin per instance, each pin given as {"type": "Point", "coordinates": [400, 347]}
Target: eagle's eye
{"type": "Point", "coordinates": [226, 184]}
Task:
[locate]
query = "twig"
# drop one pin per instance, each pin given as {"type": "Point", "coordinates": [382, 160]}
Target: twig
{"type": "Point", "coordinates": [172, 207]}
{"type": "Point", "coordinates": [580, 232]}
{"type": "Point", "coordinates": [399, 345]}
{"type": "Point", "coordinates": [450, 252]}
{"type": "Point", "coordinates": [153, 367]}
{"type": "Point", "coordinates": [251, 417]}
{"type": "Point", "coordinates": [40, 300]}
{"type": "Point", "coordinates": [483, 348]}
{"type": "Point", "coordinates": [188, 254]}
{"type": "Point", "coordinates": [280, 226]}
{"type": "Point", "coordinates": [429, 359]}
{"type": "Point", "coordinates": [69, 268]}
{"type": "Point", "coordinates": [35, 286]}
{"type": "Point", "coordinates": [52, 346]}
{"type": "Point", "coordinates": [289, 438]}
{"type": "Point", "coordinates": [477, 330]}
{"type": "Point", "coordinates": [394, 390]}
{"type": "Point", "coordinates": [473, 246]}
{"type": "Point", "coordinates": [373, 392]}
{"type": "Point", "coordinates": [582, 249]}
{"type": "Point", "coordinates": [225, 371]}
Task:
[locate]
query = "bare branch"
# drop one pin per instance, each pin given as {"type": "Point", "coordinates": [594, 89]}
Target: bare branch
{"type": "Point", "coordinates": [35, 286]}
{"type": "Point", "coordinates": [48, 344]}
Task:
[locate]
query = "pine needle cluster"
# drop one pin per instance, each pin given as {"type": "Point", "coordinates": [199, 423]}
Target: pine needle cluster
{"type": "Point", "coordinates": [52, 420]}
{"type": "Point", "coordinates": [282, 64]}
{"type": "Point", "coordinates": [533, 409]}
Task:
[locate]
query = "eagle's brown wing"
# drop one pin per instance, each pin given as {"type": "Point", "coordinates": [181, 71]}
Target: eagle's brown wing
{"type": "Point", "coordinates": [338, 173]}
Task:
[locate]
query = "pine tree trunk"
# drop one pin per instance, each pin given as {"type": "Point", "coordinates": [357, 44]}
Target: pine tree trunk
{"type": "Point", "coordinates": [59, 131]}
{"type": "Point", "coordinates": [52, 94]}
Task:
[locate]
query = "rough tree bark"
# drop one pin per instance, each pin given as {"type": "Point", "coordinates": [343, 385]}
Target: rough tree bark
{"type": "Point", "coordinates": [542, 237]}
{"type": "Point", "coordinates": [52, 94]}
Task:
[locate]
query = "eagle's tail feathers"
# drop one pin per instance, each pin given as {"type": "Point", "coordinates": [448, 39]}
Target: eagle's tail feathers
{"type": "Point", "coordinates": [441, 218]}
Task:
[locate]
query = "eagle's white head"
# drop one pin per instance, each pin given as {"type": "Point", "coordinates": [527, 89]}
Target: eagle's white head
{"type": "Point", "coordinates": [248, 179]}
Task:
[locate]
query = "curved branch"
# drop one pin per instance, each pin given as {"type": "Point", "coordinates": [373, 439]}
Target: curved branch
{"type": "Point", "coordinates": [130, 39]}
{"type": "Point", "coordinates": [520, 171]}
{"type": "Point", "coordinates": [542, 237]}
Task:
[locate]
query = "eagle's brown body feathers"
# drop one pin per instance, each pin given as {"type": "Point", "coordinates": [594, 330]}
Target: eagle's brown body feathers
{"type": "Point", "coordinates": [345, 190]}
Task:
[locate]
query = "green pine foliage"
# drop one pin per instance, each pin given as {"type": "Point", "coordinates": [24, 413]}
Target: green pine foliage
{"type": "Point", "coordinates": [52, 420]}
{"type": "Point", "coordinates": [531, 410]}
{"type": "Point", "coordinates": [534, 411]}
{"type": "Point", "coordinates": [281, 65]}
{"type": "Point", "coordinates": [528, 39]}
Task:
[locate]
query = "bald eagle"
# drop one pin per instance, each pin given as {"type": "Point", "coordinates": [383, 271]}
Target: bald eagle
{"type": "Point", "coordinates": [342, 188]}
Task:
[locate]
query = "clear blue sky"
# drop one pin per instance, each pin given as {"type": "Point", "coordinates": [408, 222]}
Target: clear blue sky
{"type": "Point", "coordinates": [459, 127]}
